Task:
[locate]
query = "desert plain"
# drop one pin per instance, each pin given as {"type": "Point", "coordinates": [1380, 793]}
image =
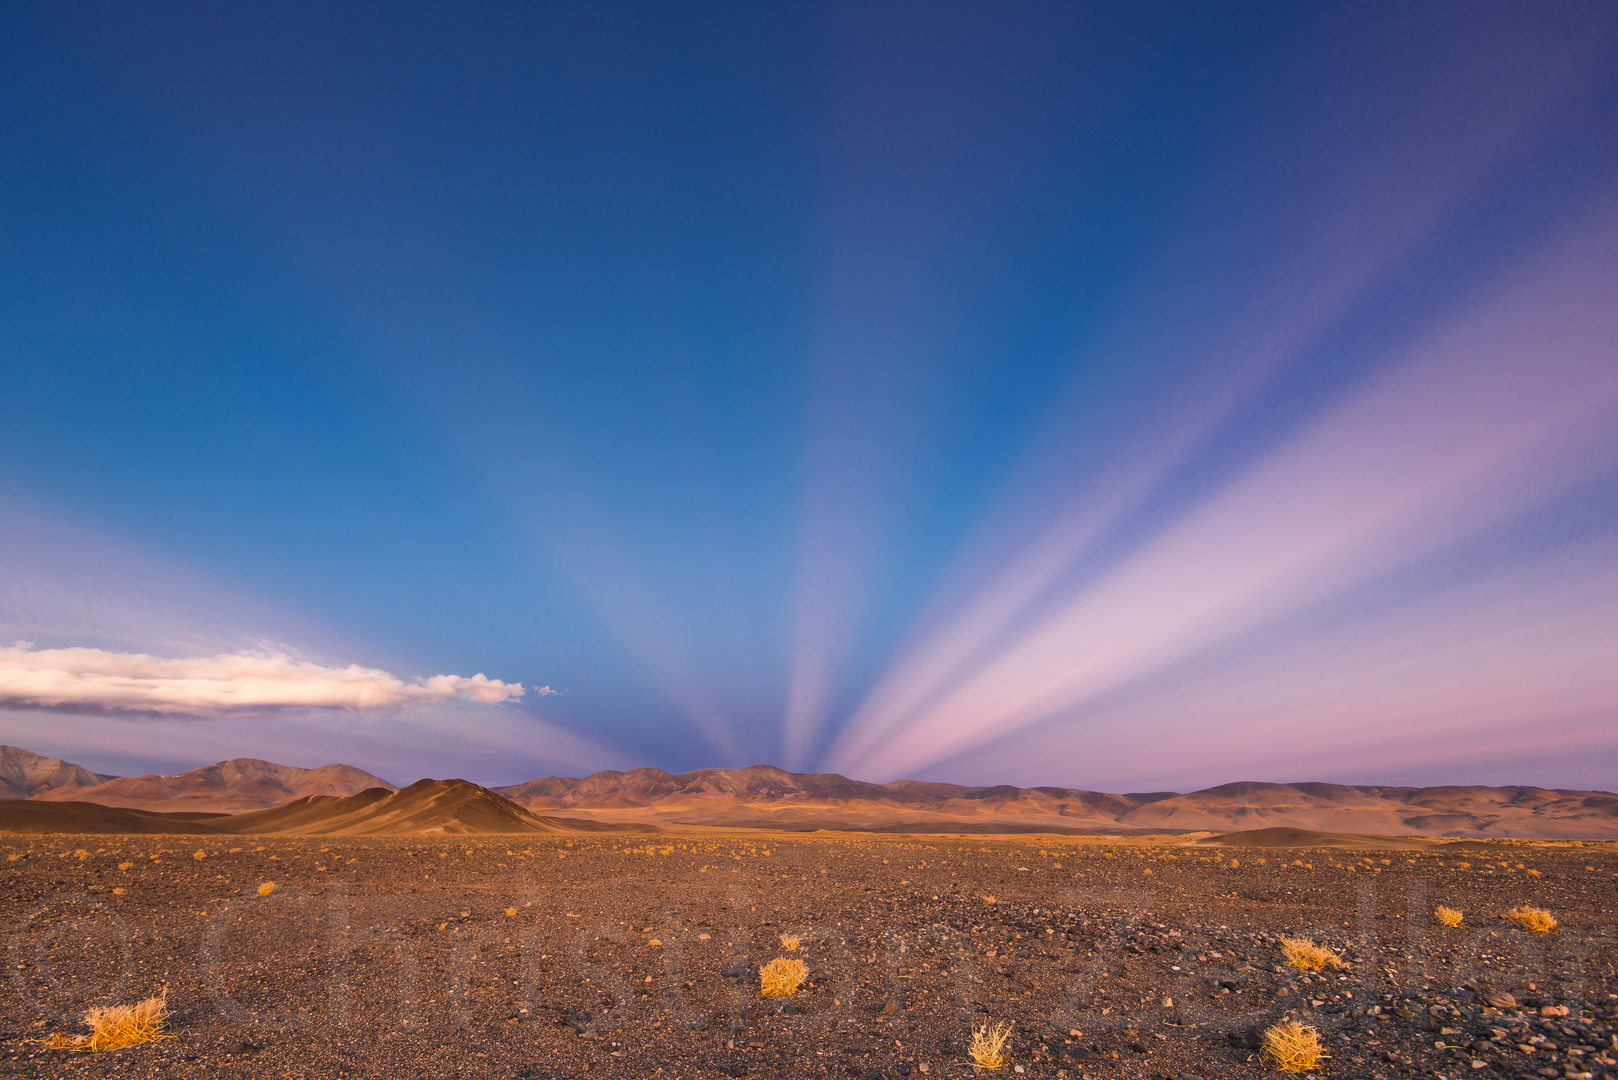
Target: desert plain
{"type": "Point", "coordinates": [637, 955]}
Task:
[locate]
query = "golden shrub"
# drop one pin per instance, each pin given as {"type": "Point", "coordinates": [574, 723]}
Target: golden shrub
{"type": "Point", "coordinates": [782, 976]}
{"type": "Point", "coordinates": [1448, 916]}
{"type": "Point", "coordinates": [1292, 1047]}
{"type": "Point", "coordinates": [1305, 954]}
{"type": "Point", "coordinates": [1532, 918]}
{"type": "Point", "coordinates": [988, 1047]}
{"type": "Point", "coordinates": [118, 1026]}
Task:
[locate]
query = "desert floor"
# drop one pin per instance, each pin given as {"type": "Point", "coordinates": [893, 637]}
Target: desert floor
{"type": "Point", "coordinates": [503, 956]}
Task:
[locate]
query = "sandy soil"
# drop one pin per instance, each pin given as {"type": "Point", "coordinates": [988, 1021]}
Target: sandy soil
{"type": "Point", "coordinates": [621, 956]}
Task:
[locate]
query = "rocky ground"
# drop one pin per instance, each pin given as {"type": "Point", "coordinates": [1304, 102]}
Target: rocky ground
{"type": "Point", "coordinates": [611, 956]}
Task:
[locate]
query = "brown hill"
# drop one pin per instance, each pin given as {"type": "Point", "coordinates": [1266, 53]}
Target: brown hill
{"type": "Point", "coordinates": [766, 797]}
{"type": "Point", "coordinates": [427, 807]}
{"type": "Point", "coordinates": [35, 816]}
{"type": "Point", "coordinates": [26, 775]}
{"type": "Point", "coordinates": [227, 787]}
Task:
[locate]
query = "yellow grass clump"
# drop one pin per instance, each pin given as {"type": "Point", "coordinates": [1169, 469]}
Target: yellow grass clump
{"type": "Point", "coordinates": [267, 888]}
{"type": "Point", "coordinates": [199, 855]}
{"type": "Point", "coordinates": [790, 942]}
{"type": "Point", "coordinates": [1292, 1047]}
{"type": "Point", "coordinates": [117, 1026]}
{"type": "Point", "coordinates": [782, 976]}
{"type": "Point", "coordinates": [125, 865]}
{"type": "Point", "coordinates": [1447, 915]}
{"type": "Point", "coordinates": [1532, 918]}
{"type": "Point", "coordinates": [1305, 954]}
{"type": "Point", "coordinates": [988, 1048]}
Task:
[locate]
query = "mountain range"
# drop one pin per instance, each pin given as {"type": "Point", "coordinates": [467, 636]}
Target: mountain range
{"type": "Point", "coordinates": [340, 798]}
{"type": "Point", "coordinates": [225, 787]}
{"type": "Point", "coordinates": [771, 798]}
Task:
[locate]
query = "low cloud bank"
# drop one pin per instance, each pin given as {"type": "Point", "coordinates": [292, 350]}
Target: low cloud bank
{"type": "Point", "coordinates": [96, 680]}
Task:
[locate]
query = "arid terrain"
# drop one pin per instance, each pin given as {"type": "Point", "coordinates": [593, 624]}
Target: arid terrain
{"type": "Point", "coordinates": [620, 955]}
{"type": "Point", "coordinates": [764, 797]}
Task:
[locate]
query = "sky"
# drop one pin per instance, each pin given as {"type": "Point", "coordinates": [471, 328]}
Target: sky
{"type": "Point", "coordinates": [1133, 396]}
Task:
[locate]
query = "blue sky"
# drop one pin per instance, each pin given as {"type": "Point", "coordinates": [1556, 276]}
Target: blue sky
{"type": "Point", "coordinates": [1121, 396]}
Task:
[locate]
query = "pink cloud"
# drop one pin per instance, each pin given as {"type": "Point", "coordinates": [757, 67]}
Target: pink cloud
{"type": "Point", "coordinates": [233, 683]}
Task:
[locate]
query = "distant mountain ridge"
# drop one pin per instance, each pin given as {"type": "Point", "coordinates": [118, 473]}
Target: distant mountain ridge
{"type": "Point", "coordinates": [26, 775]}
{"type": "Point", "coordinates": [225, 787]}
{"type": "Point", "coordinates": [765, 797]}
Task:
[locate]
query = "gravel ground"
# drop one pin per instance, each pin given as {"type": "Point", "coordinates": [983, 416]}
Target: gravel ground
{"type": "Point", "coordinates": [500, 956]}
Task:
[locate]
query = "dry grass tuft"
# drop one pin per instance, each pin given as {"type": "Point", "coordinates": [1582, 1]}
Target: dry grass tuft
{"type": "Point", "coordinates": [1532, 918]}
{"type": "Point", "coordinates": [1447, 915]}
{"type": "Point", "coordinates": [790, 942]}
{"type": "Point", "coordinates": [1292, 1047]}
{"type": "Point", "coordinates": [1305, 954]}
{"type": "Point", "coordinates": [118, 1026]}
{"type": "Point", "coordinates": [988, 1049]}
{"type": "Point", "coordinates": [267, 888]}
{"type": "Point", "coordinates": [782, 976]}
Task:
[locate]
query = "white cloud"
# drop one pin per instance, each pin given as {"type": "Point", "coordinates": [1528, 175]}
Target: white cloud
{"type": "Point", "coordinates": [230, 684]}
